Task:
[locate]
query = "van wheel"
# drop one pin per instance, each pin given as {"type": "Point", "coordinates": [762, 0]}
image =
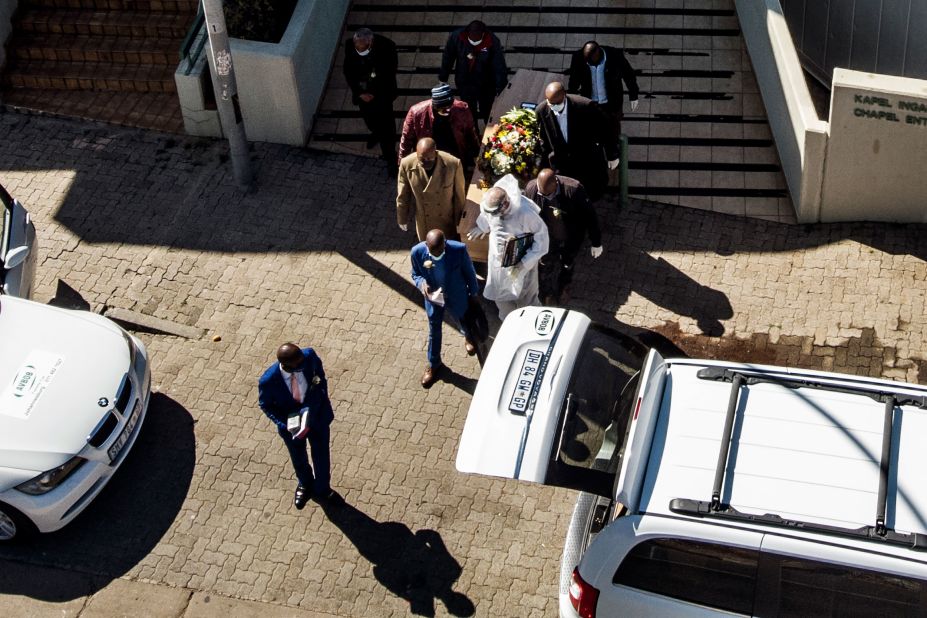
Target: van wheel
{"type": "Point", "coordinates": [14, 526]}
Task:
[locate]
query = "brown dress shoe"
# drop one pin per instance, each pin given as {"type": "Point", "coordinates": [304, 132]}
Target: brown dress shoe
{"type": "Point", "coordinates": [430, 375]}
{"type": "Point", "coordinates": [471, 348]}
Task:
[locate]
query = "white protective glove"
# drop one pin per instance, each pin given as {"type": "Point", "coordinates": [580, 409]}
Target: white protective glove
{"type": "Point", "coordinates": [404, 227]}
{"type": "Point", "coordinates": [613, 164]}
{"type": "Point", "coordinates": [634, 104]}
{"type": "Point", "coordinates": [475, 232]}
{"type": "Point", "coordinates": [596, 251]}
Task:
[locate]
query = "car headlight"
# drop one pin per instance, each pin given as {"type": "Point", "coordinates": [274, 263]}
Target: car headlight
{"type": "Point", "coordinates": [47, 481]}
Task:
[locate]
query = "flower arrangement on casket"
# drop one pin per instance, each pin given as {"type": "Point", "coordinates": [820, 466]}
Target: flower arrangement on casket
{"type": "Point", "coordinates": [514, 148]}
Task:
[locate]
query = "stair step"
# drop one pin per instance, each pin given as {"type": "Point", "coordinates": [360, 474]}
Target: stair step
{"type": "Point", "coordinates": [117, 23]}
{"type": "Point", "coordinates": [160, 112]}
{"type": "Point", "coordinates": [87, 48]}
{"type": "Point", "coordinates": [159, 6]}
{"type": "Point", "coordinates": [46, 74]}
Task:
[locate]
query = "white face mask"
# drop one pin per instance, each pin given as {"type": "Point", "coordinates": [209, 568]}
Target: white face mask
{"type": "Point", "coordinates": [363, 53]}
{"type": "Point", "coordinates": [558, 109]}
{"type": "Point", "coordinates": [476, 42]}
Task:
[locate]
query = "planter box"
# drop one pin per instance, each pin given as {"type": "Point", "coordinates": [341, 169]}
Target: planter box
{"type": "Point", "coordinates": [280, 84]}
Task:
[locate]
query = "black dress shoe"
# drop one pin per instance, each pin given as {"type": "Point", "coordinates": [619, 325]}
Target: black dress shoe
{"type": "Point", "coordinates": [301, 497]}
{"type": "Point", "coordinates": [332, 498]}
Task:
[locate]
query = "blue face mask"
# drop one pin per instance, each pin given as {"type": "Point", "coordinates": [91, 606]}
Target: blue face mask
{"type": "Point", "coordinates": [436, 258]}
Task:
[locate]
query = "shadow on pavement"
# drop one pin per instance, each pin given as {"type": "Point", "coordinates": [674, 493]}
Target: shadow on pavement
{"type": "Point", "coordinates": [414, 566]}
{"type": "Point", "coordinates": [127, 519]}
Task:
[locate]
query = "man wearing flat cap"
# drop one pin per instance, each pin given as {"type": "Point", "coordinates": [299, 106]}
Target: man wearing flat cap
{"type": "Point", "coordinates": [447, 121]}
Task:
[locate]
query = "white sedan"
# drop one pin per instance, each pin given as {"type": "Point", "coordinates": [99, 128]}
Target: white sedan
{"type": "Point", "coordinates": [74, 391]}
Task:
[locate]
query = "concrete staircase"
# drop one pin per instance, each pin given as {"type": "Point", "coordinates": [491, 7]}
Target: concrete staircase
{"type": "Point", "coordinates": [109, 60]}
{"type": "Point", "coordinates": [700, 137]}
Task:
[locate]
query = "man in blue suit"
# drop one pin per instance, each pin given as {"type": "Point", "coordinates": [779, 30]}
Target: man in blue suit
{"type": "Point", "coordinates": [292, 386]}
{"type": "Point", "coordinates": [444, 273]}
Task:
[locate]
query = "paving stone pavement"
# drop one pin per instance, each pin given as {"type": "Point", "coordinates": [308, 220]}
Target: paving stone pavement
{"type": "Point", "coordinates": [152, 223]}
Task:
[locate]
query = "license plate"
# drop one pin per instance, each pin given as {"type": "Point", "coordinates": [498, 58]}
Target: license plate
{"type": "Point", "coordinates": [525, 381]}
{"type": "Point", "coordinates": [120, 442]}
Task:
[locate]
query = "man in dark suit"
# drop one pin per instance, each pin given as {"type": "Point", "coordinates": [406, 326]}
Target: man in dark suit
{"type": "Point", "coordinates": [480, 73]}
{"type": "Point", "coordinates": [569, 216]}
{"type": "Point", "coordinates": [294, 384]}
{"type": "Point", "coordinates": [575, 139]}
{"type": "Point", "coordinates": [443, 272]}
{"type": "Point", "coordinates": [370, 69]}
{"type": "Point", "coordinates": [599, 72]}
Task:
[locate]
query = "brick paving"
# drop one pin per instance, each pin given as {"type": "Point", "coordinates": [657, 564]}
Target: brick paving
{"type": "Point", "coordinates": [153, 223]}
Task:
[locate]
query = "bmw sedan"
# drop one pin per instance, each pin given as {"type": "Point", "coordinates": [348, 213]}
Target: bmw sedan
{"type": "Point", "coordinates": [74, 391]}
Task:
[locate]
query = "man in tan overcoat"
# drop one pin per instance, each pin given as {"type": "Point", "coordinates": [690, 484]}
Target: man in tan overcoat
{"type": "Point", "coordinates": [430, 188]}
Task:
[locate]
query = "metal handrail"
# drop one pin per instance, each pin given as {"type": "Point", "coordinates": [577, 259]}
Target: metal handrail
{"type": "Point", "coordinates": [192, 45]}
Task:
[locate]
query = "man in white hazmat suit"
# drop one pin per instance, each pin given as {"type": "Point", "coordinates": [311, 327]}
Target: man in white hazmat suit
{"type": "Point", "coordinates": [505, 213]}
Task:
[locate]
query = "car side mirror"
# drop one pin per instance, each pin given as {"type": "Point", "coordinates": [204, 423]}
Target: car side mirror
{"type": "Point", "coordinates": [15, 257]}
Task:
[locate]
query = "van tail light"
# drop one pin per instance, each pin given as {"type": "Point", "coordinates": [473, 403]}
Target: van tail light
{"type": "Point", "coordinates": [583, 596]}
{"type": "Point", "coordinates": [637, 408]}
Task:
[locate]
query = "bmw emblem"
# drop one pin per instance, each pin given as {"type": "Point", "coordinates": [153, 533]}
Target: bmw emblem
{"type": "Point", "coordinates": [102, 402]}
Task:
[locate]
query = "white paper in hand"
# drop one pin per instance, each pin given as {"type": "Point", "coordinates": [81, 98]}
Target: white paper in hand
{"type": "Point", "coordinates": [437, 297]}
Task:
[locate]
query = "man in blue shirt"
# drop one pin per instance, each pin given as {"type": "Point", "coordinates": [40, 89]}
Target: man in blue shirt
{"type": "Point", "coordinates": [443, 272]}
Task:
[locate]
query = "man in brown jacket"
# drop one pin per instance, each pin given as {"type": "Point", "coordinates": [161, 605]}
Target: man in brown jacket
{"type": "Point", "coordinates": [430, 188]}
{"type": "Point", "coordinates": [446, 120]}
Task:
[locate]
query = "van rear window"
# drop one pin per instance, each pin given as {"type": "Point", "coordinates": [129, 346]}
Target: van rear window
{"type": "Point", "coordinates": [718, 576]}
{"type": "Point", "coordinates": [597, 414]}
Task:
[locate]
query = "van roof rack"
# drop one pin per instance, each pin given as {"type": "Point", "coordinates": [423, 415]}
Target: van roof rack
{"type": "Point", "coordinates": [741, 377]}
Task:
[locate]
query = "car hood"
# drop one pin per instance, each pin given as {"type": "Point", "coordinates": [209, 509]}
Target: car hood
{"type": "Point", "coordinates": [55, 368]}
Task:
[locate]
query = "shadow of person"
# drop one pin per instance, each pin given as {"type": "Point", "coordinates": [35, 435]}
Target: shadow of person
{"type": "Point", "coordinates": [467, 385]}
{"type": "Point", "coordinates": [124, 523]}
{"type": "Point", "coordinates": [414, 566]}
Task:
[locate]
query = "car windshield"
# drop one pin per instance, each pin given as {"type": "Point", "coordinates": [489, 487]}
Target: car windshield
{"type": "Point", "coordinates": [597, 409]}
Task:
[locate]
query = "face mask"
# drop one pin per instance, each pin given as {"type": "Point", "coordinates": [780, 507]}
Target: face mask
{"type": "Point", "coordinates": [363, 53]}
{"type": "Point", "coordinates": [297, 369]}
{"type": "Point", "coordinates": [557, 109]}
{"type": "Point", "coordinates": [436, 258]}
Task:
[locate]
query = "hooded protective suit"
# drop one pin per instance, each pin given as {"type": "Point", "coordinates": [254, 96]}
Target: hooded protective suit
{"type": "Point", "coordinates": [514, 286]}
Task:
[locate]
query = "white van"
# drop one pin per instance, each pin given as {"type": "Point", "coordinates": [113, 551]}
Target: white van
{"type": "Point", "coordinates": [708, 488]}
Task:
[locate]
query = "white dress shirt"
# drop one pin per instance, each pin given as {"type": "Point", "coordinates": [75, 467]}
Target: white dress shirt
{"type": "Point", "coordinates": [300, 380]}
{"type": "Point", "coordinates": [599, 95]}
{"type": "Point", "coordinates": [562, 120]}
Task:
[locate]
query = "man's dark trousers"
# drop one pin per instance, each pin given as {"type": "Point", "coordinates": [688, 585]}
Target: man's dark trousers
{"type": "Point", "coordinates": [378, 116]}
{"type": "Point", "coordinates": [317, 440]}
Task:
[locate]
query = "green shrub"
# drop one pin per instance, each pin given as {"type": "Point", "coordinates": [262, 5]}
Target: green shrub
{"type": "Point", "coordinates": [258, 20]}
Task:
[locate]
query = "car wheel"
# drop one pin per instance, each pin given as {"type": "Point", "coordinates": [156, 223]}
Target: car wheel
{"type": "Point", "coordinates": [14, 526]}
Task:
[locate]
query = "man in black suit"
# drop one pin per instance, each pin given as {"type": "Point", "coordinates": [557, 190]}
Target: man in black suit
{"type": "Point", "coordinates": [575, 139]}
{"type": "Point", "coordinates": [370, 69]}
{"type": "Point", "coordinates": [569, 216]}
{"type": "Point", "coordinates": [597, 73]}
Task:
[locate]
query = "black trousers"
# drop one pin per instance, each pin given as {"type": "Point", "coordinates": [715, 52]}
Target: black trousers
{"type": "Point", "coordinates": [555, 271]}
{"type": "Point", "coordinates": [378, 116]}
{"type": "Point", "coordinates": [480, 103]}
